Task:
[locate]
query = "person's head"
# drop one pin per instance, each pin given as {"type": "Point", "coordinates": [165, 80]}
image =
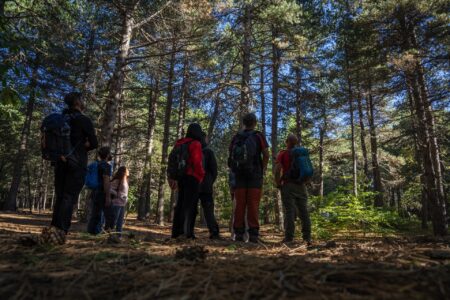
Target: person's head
{"type": "Point", "coordinates": [104, 153]}
{"type": "Point", "coordinates": [194, 131]}
{"type": "Point", "coordinates": [249, 121]}
{"type": "Point", "coordinates": [291, 141]}
{"type": "Point", "coordinates": [74, 100]}
{"type": "Point", "coordinates": [121, 174]}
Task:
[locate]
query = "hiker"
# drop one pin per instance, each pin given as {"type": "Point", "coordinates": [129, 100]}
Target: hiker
{"type": "Point", "coordinates": [206, 188]}
{"type": "Point", "coordinates": [119, 198]}
{"type": "Point", "coordinates": [101, 196]}
{"type": "Point", "coordinates": [70, 169]}
{"type": "Point", "coordinates": [185, 173]}
{"type": "Point", "coordinates": [248, 158]}
{"type": "Point", "coordinates": [293, 193]}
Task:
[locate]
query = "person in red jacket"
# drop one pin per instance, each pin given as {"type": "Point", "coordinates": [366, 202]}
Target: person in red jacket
{"type": "Point", "coordinates": [188, 184]}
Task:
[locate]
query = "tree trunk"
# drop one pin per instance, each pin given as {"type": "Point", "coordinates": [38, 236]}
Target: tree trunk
{"type": "Point", "coordinates": [298, 104]}
{"type": "Point", "coordinates": [144, 197]}
{"type": "Point", "coordinates": [42, 185]}
{"type": "Point", "coordinates": [262, 94]}
{"type": "Point", "coordinates": [118, 135]}
{"type": "Point", "coordinates": [214, 116]}
{"type": "Point", "coordinates": [426, 133]}
{"type": "Point", "coordinates": [265, 199]}
{"type": "Point", "coordinates": [321, 138]}
{"type": "Point", "coordinates": [363, 136]}
{"type": "Point", "coordinates": [88, 85]}
{"type": "Point", "coordinates": [352, 126]}
{"type": "Point", "coordinates": [10, 203]}
{"type": "Point", "coordinates": [377, 184]}
{"type": "Point", "coordinates": [276, 58]}
{"type": "Point", "coordinates": [117, 80]}
{"type": "Point", "coordinates": [165, 144]}
{"type": "Point", "coordinates": [246, 56]}
{"type": "Point", "coordinates": [419, 159]}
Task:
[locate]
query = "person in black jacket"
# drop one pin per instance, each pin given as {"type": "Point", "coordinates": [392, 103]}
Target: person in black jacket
{"type": "Point", "coordinates": [206, 188]}
{"type": "Point", "coordinates": [70, 174]}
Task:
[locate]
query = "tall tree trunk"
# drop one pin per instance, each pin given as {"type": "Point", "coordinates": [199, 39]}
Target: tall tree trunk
{"type": "Point", "coordinates": [321, 163]}
{"type": "Point", "coordinates": [440, 210]}
{"type": "Point", "coordinates": [276, 58]}
{"type": "Point", "coordinates": [144, 197]}
{"type": "Point", "coordinates": [298, 104]}
{"type": "Point", "coordinates": [180, 124]}
{"type": "Point", "coordinates": [10, 203]}
{"type": "Point", "coordinates": [88, 84]}
{"type": "Point", "coordinates": [377, 184]}
{"type": "Point", "coordinates": [352, 125]}
{"type": "Point", "coordinates": [262, 94]}
{"type": "Point", "coordinates": [46, 183]}
{"type": "Point", "coordinates": [117, 80]}
{"type": "Point", "coordinates": [214, 116]}
{"type": "Point", "coordinates": [41, 185]}
{"type": "Point", "coordinates": [246, 56]}
{"type": "Point", "coordinates": [118, 135]}
{"type": "Point", "coordinates": [165, 144]}
{"type": "Point", "coordinates": [426, 133]}
{"type": "Point", "coordinates": [419, 159]}
{"type": "Point", "coordinates": [363, 136]}
{"type": "Point", "coordinates": [437, 204]}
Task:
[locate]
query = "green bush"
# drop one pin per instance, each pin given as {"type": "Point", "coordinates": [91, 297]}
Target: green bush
{"type": "Point", "coordinates": [341, 212]}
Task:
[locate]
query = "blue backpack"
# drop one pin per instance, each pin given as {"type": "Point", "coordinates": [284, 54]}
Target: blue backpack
{"type": "Point", "coordinates": [92, 181]}
{"type": "Point", "coordinates": [301, 168]}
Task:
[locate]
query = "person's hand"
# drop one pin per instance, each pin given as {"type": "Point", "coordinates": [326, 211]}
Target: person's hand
{"type": "Point", "coordinates": [87, 145]}
{"type": "Point", "coordinates": [173, 184]}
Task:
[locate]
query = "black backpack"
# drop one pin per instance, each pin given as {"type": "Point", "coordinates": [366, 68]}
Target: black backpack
{"type": "Point", "coordinates": [178, 161]}
{"type": "Point", "coordinates": [243, 153]}
{"type": "Point", "coordinates": [55, 137]}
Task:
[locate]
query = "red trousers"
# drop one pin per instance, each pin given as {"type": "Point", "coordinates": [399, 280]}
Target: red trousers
{"type": "Point", "coordinates": [247, 199]}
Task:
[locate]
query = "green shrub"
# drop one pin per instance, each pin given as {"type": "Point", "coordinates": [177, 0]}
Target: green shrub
{"type": "Point", "coordinates": [340, 212]}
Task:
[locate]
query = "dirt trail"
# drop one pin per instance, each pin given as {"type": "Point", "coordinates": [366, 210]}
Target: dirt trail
{"type": "Point", "coordinates": [144, 266]}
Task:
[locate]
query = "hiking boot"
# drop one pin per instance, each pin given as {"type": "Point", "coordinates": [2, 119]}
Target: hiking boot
{"type": "Point", "coordinates": [214, 236]}
{"type": "Point", "coordinates": [287, 240]}
{"type": "Point", "coordinates": [239, 238]}
{"type": "Point", "coordinates": [52, 236]}
{"type": "Point", "coordinates": [253, 239]}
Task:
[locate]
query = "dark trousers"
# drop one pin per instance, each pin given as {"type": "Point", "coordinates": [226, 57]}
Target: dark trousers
{"type": "Point", "coordinates": [247, 200]}
{"type": "Point", "coordinates": [185, 210]}
{"type": "Point", "coordinates": [115, 217]}
{"type": "Point", "coordinates": [295, 203]}
{"type": "Point", "coordinates": [69, 180]}
{"type": "Point", "coordinates": [97, 218]}
{"type": "Point", "coordinates": [207, 202]}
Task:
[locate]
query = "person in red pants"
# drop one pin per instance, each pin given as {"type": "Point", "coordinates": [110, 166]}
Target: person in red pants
{"type": "Point", "coordinates": [248, 158]}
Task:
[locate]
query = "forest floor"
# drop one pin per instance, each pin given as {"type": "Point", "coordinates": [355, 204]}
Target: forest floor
{"type": "Point", "coordinates": [148, 265]}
